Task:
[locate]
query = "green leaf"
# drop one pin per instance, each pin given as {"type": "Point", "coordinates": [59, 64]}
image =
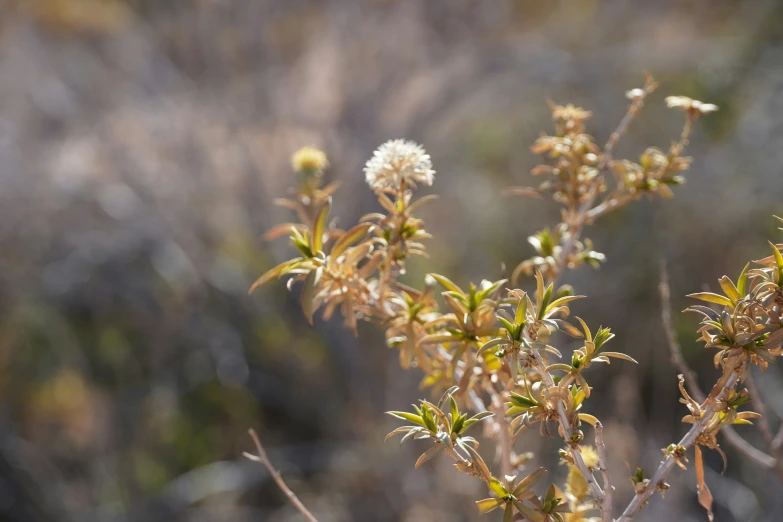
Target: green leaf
{"type": "Point", "coordinates": [508, 326]}
{"type": "Point", "coordinates": [543, 305]}
{"type": "Point", "coordinates": [489, 290]}
{"type": "Point", "coordinates": [778, 262]}
{"type": "Point", "coordinates": [522, 401]}
{"type": "Point", "coordinates": [743, 280]}
{"type": "Point", "coordinates": [447, 394]}
{"type": "Point", "coordinates": [273, 273]}
{"type": "Point", "coordinates": [349, 238]}
{"type": "Point", "coordinates": [497, 488]}
{"type": "Point", "coordinates": [729, 289]}
{"type": "Point", "coordinates": [588, 335]}
{"type": "Point", "coordinates": [447, 283]}
{"type": "Point", "coordinates": [563, 300]}
{"type": "Point", "coordinates": [454, 409]}
{"type": "Point", "coordinates": [712, 298]}
{"type": "Point", "coordinates": [410, 417]}
{"type": "Point", "coordinates": [491, 344]}
{"type": "Point", "coordinates": [476, 418]}
{"type": "Point", "coordinates": [489, 504]}
{"type": "Point", "coordinates": [521, 310]}
{"type": "Point", "coordinates": [319, 227]}
{"type": "Point", "coordinates": [590, 419]}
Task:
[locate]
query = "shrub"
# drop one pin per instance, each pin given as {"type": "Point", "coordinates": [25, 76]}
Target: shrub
{"type": "Point", "coordinates": [490, 351]}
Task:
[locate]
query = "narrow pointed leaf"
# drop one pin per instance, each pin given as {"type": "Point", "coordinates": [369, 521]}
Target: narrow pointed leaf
{"type": "Point", "coordinates": [410, 417]}
{"type": "Point", "coordinates": [778, 262]}
{"type": "Point", "coordinates": [308, 293]}
{"type": "Point", "coordinates": [273, 273]}
{"type": "Point", "coordinates": [705, 497]}
{"type": "Point", "coordinates": [427, 455]}
{"type": "Point", "coordinates": [729, 289]}
{"type": "Point", "coordinates": [447, 283]}
{"type": "Point", "coordinates": [618, 355]}
{"type": "Point", "coordinates": [743, 280]}
{"type": "Point", "coordinates": [489, 504]}
{"type": "Point", "coordinates": [349, 238]}
{"type": "Point", "coordinates": [529, 482]}
{"type": "Point", "coordinates": [712, 298]}
{"type": "Point", "coordinates": [319, 227]}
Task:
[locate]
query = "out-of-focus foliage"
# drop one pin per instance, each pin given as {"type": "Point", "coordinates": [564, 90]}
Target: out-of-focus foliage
{"type": "Point", "coordinates": [140, 143]}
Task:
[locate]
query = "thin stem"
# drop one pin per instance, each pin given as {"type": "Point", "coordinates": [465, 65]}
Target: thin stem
{"type": "Point", "coordinates": [263, 459]}
{"type": "Point", "coordinates": [763, 424]}
{"type": "Point", "coordinates": [675, 350]}
{"type": "Point", "coordinates": [710, 407]}
{"type": "Point", "coordinates": [606, 504]}
{"type": "Point", "coordinates": [585, 213]}
{"type": "Point", "coordinates": [761, 408]}
{"type": "Point", "coordinates": [503, 435]}
{"type": "Point", "coordinates": [777, 442]}
{"type": "Point", "coordinates": [565, 427]}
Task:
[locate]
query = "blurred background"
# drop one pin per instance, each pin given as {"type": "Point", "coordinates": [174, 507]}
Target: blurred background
{"type": "Point", "coordinates": [142, 143]}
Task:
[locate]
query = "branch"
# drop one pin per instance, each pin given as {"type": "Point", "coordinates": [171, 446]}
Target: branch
{"type": "Point", "coordinates": [691, 381]}
{"type": "Point", "coordinates": [763, 424]}
{"type": "Point", "coordinates": [585, 213]}
{"type": "Point", "coordinates": [606, 504]}
{"type": "Point", "coordinates": [657, 480]}
{"type": "Point", "coordinates": [263, 459]}
{"type": "Point", "coordinates": [565, 427]}
{"type": "Point", "coordinates": [777, 442]}
{"type": "Point", "coordinates": [675, 349]}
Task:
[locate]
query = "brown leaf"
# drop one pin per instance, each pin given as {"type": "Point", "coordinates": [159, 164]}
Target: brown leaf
{"type": "Point", "coordinates": [705, 497]}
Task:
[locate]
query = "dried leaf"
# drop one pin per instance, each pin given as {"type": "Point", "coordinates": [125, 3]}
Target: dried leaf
{"type": "Point", "coordinates": [522, 191]}
{"type": "Point", "coordinates": [705, 497]}
{"type": "Point", "coordinates": [427, 455]}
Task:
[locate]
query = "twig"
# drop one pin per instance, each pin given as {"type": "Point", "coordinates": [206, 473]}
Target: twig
{"type": "Point", "coordinates": [710, 407]}
{"type": "Point", "coordinates": [633, 110]}
{"type": "Point", "coordinates": [763, 424]}
{"type": "Point", "coordinates": [565, 427]}
{"type": "Point", "coordinates": [606, 504]}
{"type": "Point", "coordinates": [503, 435]}
{"type": "Point", "coordinates": [675, 350]}
{"type": "Point", "coordinates": [777, 442]}
{"type": "Point", "coordinates": [585, 213]}
{"type": "Point", "coordinates": [263, 459]}
{"type": "Point", "coordinates": [691, 381]}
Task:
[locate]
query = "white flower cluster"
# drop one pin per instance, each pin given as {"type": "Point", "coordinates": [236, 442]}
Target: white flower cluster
{"type": "Point", "coordinates": [398, 161]}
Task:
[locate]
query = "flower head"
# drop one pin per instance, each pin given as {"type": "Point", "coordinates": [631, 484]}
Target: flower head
{"type": "Point", "coordinates": [689, 105]}
{"type": "Point", "coordinates": [397, 162]}
{"type": "Point", "coordinates": [309, 159]}
{"type": "Point", "coordinates": [569, 112]}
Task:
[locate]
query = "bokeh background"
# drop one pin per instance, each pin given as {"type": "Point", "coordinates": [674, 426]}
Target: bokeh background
{"type": "Point", "coordinates": [141, 146]}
